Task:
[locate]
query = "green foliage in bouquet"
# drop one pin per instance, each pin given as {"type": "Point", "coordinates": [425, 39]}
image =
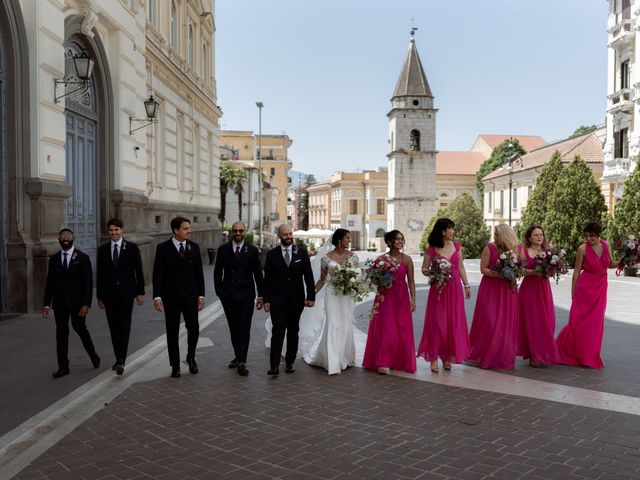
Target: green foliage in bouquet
{"type": "Point", "coordinates": [576, 200]}
{"type": "Point", "coordinates": [537, 207]}
{"type": "Point", "coordinates": [471, 231]}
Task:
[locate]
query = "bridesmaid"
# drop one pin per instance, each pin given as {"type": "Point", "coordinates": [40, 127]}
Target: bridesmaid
{"type": "Point", "coordinates": [445, 333]}
{"type": "Point", "coordinates": [495, 319]}
{"type": "Point", "coordinates": [390, 341]}
{"type": "Point", "coordinates": [537, 316]}
{"type": "Point", "coordinates": [580, 341]}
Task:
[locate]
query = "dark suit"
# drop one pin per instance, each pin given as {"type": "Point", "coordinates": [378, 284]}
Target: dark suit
{"type": "Point", "coordinates": [236, 278]}
{"type": "Point", "coordinates": [117, 285]}
{"type": "Point", "coordinates": [67, 291]}
{"type": "Point", "coordinates": [284, 291]}
{"type": "Point", "coordinates": [179, 282]}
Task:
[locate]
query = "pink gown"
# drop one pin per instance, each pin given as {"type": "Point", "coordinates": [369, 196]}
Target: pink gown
{"type": "Point", "coordinates": [494, 331]}
{"type": "Point", "coordinates": [580, 341]}
{"type": "Point", "coordinates": [537, 315]}
{"type": "Point", "coordinates": [390, 338]}
{"type": "Point", "coordinates": [445, 333]}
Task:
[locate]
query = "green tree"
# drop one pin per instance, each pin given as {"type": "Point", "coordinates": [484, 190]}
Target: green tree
{"type": "Point", "coordinates": [303, 206]}
{"type": "Point", "coordinates": [626, 215]}
{"type": "Point", "coordinates": [230, 178]}
{"type": "Point", "coordinates": [471, 231]}
{"type": "Point", "coordinates": [582, 129]}
{"type": "Point", "coordinates": [538, 203]}
{"type": "Point", "coordinates": [576, 200]}
{"type": "Point", "coordinates": [500, 155]}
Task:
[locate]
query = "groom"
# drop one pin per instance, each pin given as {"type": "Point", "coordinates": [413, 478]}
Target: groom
{"type": "Point", "coordinates": [287, 271]}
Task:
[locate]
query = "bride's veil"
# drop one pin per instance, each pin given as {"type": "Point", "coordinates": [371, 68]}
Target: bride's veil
{"type": "Point", "coordinates": [311, 320]}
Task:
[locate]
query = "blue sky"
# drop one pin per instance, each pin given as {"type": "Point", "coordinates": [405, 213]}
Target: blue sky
{"type": "Point", "coordinates": [326, 70]}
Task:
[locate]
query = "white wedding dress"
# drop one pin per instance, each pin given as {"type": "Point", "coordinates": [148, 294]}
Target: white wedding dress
{"type": "Point", "coordinates": [326, 330]}
{"type": "Point", "coordinates": [333, 347]}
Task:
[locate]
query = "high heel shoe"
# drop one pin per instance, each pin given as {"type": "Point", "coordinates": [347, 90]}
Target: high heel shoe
{"type": "Point", "coordinates": [446, 365]}
{"type": "Point", "coordinates": [535, 363]}
{"type": "Point", "coordinates": [383, 371]}
{"type": "Point", "coordinates": [434, 366]}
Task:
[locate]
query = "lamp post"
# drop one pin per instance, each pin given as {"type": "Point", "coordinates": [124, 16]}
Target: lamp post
{"type": "Point", "coordinates": [510, 168]}
{"type": "Point", "coordinates": [260, 105]}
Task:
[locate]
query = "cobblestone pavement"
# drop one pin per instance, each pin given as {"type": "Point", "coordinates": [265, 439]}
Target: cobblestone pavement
{"type": "Point", "coordinates": [217, 425]}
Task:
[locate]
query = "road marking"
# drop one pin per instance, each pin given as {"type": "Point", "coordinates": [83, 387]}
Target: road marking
{"type": "Point", "coordinates": [25, 443]}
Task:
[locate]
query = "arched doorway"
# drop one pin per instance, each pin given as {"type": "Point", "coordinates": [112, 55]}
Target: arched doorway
{"type": "Point", "coordinates": [82, 212]}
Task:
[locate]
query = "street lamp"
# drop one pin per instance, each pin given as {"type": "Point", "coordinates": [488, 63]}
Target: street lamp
{"type": "Point", "coordinates": [260, 105]}
{"type": "Point", "coordinates": [510, 168]}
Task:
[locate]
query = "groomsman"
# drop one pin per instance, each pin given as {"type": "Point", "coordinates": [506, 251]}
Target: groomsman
{"type": "Point", "coordinates": [287, 271]}
{"type": "Point", "coordinates": [69, 290]}
{"type": "Point", "coordinates": [236, 276]}
{"type": "Point", "coordinates": [120, 280]}
{"type": "Point", "coordinates": [178, 288]}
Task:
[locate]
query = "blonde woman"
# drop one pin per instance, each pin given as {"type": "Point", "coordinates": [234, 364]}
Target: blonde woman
{"type": "Point", "coordinates": [494, 329]}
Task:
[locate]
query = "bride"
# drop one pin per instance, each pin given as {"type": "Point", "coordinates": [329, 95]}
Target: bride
{"type": "Point", "coordinates": [326, 331]}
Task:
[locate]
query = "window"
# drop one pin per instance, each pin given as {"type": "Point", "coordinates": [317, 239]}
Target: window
{"type": "Point", "coordinates": [273, 171]}
{"type": "Point", "coordinates": [490, 201]}
{"type": "Point", "coordinates": [190, 46]}
{"type": "Point", "coordinates": [151, 12]}
{"type": "Point", "coordinates": [173, 25]}
{"type": "Point", "coordinates": [621, 143]}
{"type": "Point", "coordinates": [380, 206]}
{"type": "Point", "coordinates": [501, 200]}
{"type": "Point", "coordinates": [353, 207]}
{"type": "Point", "coordinates": [205, 63]}
{"type": "Point", "coordinates": [415, 140]}
{"type": "Point", "coordinates": [380, 233]}
{"type": "Point", "coordinates": [514, 199]}
{"type": "Point", "coordinates": [444, 204]}
{"type": "Point", "coordinates": [529, 190]}
{"type": "Point", "coordinates": [624, 74]}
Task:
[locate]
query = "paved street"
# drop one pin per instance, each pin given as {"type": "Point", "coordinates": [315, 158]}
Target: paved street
{"type": "Point", "coordinates": [93, 425]}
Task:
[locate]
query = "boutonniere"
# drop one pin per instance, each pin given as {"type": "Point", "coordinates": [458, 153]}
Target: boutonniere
{"type": "Point", "coordinates": [75, 255]}
{"type": "Point", "coordinates": [124, 245]}
{"type": "Point", "coordinates": [295, 250]}
{"type": "Point", "coordinates": [188, 247]}
{"type": "Point", "coordinates": [246, 249]}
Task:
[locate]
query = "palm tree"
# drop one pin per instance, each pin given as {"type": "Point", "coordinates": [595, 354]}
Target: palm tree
{"type": "Point", "coordinates": [230, 177]}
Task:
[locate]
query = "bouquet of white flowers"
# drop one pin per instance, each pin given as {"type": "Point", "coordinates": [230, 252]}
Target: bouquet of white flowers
{"type": "Point", "coordinates": [349, 279]}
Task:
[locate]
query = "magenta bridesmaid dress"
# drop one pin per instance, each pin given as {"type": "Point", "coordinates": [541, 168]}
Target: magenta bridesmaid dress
{"type": "Point", "coordinates": [580, 341]}
{"type": "Point", "coordinates": [537, 318]}
{"type": "Point", "coordinates": [494, 331]}
{"type": "Point", "coordinates": [445, 333]}
{"type": "Point", "coordinates": [390, 341]}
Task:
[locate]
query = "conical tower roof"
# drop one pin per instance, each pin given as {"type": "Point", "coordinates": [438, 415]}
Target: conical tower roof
{"type": "Point", "coordinates": [412, 81]}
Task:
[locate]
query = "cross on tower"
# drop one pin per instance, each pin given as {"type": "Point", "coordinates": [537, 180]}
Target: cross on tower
{"type": "Point", "coordinates": [413, 28]}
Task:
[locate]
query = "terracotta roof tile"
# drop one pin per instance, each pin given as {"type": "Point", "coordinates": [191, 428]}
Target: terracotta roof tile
{"type": "Point", "coordinates": [528, 142]}
{"type": "Point", "coordinates": [458, 163]}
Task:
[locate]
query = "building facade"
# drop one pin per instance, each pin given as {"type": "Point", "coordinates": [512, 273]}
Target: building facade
{"type": "Point", "coordinates": [499, 199]}
{"type": "Point", "coordinates": [320, 205]}
{"type": "Point", "coordinates": [71, 154]}
{"type": "Point", "coordinates": [622, 145]}
{"type": "Point", "coordinates": [412, 152]}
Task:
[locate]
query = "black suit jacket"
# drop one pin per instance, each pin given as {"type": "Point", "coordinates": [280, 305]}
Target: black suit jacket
{"type": "Point", "coordinates": [236, 278]}
{"type": "Point", "coordinates": [176, 278]}
{"type": "Point", "coordinates": [72, 288]}
{"type": "Point", "coordinates": [287, 284]}
{"type": "Point", "coordinates": [124, 280]}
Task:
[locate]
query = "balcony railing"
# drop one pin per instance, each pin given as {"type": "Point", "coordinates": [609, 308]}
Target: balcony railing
{"type": "Point", "coordinates": [616, 167]}
{"type": "Point", "coordinates": [621, 33]}
{"type": "Point", "coordinates": [620, 101]}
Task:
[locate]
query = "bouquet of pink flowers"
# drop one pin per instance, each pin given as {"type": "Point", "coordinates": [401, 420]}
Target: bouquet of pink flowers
{"type": "Point", "coordinates": [629, 251]}
{"type": "Point", "coordinates": [551, 262]}
{"type": "Point", "coordinates": [380, 272]}
{"type": "Point", "coordinates": [510, 267]}
{"type": "Point", "coordinates": [439, 272]}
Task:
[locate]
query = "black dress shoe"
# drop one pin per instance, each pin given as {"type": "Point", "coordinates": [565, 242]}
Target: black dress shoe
{"type": "Point", "coordinates": [95, 360]}
{"type": "Point", "coordinates": [242, 369]}
{"type": "Point", "coordinates": [233, 363]}
{"type": "Point", "coordinates": [113, 367]}
{"type": "Point", "coordinates": [289, 369]}
{"type": "Point", "coordinates": [61, 372]}
{"type": "Point", "coordinates": [175, 372]}
{"type": "Point", "coordinates": [193, 366]}
{"type": "Point", "coordinates": [273, 371]}
{"type": "Point", "coordinates": [119, 369]}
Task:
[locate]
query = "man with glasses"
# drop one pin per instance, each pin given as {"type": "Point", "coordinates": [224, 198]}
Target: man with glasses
{"type": "Point", "coordinates": [236, 276]}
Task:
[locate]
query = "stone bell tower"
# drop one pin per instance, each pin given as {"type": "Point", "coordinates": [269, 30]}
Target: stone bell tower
{"type": "Point", "coordinates": [412, 152]}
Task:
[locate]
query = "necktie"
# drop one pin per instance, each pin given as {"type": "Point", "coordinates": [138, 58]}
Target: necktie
{"type": "Point", "coordinates": [237, 250]}
{"type": "Point", "coordinates": [287, 257]}
{"type": "Point", "coordinates": [65, 265]}
{"type": "Point", "coordinates": [181, 250]}
{"type": "Point", "coordinates": [115, 254]}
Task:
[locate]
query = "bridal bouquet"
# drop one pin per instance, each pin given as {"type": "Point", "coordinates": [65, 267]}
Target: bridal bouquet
{"type": "Point", "coordinates": [439, 272]}
{"type": "Point", "coordinates": [629, 251]}
{"type": "Point", "coordinates": [380, 272]}
{"type": "Point", "coordinates": [552, 262]}
{"type": "Point", "coordinates": [509, 266]}
{"type": "Point", "coordinates": [349, 279]}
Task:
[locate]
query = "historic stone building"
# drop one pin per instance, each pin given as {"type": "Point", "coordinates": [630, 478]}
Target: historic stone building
{"type": "Point", "coordinates": [75, 153]}
{"type": "Point", "coordinates": [622, 145]}
{"type": "Point", "coordinates": [412, 152]}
